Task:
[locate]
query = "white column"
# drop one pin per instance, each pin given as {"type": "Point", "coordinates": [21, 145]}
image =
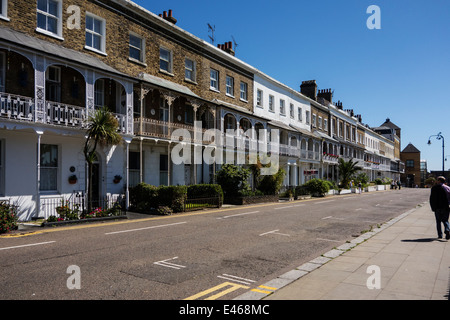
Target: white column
{"type": "Point", "coordinates": [127, 175]}
{"type": "Point", "coordinates": [38, 172]}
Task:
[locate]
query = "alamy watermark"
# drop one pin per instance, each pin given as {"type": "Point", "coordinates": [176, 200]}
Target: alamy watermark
{"type": "Point", "coordinates": [234, 146]}
{"type": "Point", "coordinates": [374, 280]}
{"type": "Point", "coordinates": [74, 280]}
{"type": "Point", "coordinates": [374, 21]}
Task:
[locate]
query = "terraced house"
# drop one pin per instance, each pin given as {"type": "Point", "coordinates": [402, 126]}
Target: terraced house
{"type": "Point", "coordinates": [61, 60]}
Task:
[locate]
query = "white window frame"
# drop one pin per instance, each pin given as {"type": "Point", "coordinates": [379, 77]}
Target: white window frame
{"type": "Point", "coordinates": [307, 116]}
{"type": "Point", "coordinates": [56, 83]}
{"type": "Point", "coordinates": [214, 80]}
{"type": "Point", "coordinates": [192, 71]}
{"type": "Point", "coordinates": [141, 49]}
{"type": "Point", "coordinates": [282, 107]}
{"type": "Point", "coordinates": [243, 88]}
{"type": "Point", "coordinates": [4, 8]}
{"type": "Point", "coordinates": [57, 168]}
{"type": "Point", "coordinates": [102, 35]}
{"type": "Point", "coordinates": [230, 86]}
{"type": "Point", "coordinates": [325, 124]}
{"type": "Point", "coordinates": [291, 111]}
{"type": "Point", "coordinates": [259, 98]}
{"type": "Point", "coordinates": [319, 123]}
{"type": "Point", "coordinates": [169, 61]}
{"type": "Point", "coordinates": [299, 114]}
{"type": "Point", "coordinates": [271, 103]}
{"type": "Point", "coordinates": [58, 17]}
{"type": "Point", "coordinates": [99, 93]}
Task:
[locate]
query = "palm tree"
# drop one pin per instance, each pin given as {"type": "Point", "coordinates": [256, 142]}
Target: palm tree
{"type": "Point", "coordinates": [102, 129]}
{"type": "Point", "coordinates": [347, 169]}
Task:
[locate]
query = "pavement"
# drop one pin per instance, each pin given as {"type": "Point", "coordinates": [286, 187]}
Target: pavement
{"type": "Point", "coordinates": [400, 260]}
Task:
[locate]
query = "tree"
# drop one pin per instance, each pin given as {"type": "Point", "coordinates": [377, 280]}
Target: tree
{"type": "Point", "coordinates": [267, 184]}
{"type": "Point", "coordinates": [102, 129]}
{"type": "Point", "coordinates": [233, 180]}
{"type": "Point", "coordinates": [347, 169]}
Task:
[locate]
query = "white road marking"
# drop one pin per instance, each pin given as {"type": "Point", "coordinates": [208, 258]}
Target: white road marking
{"type": "Point", "coordinates": [147, 228]}
{"type": "Point", "coordinates": [167, 264]}
{"type": "Point", "coordinates": [235, 279]}
{"type": "Point", "coordinates": [238, 214]}
{"type": "Point", "coordinates": [331, 217]}
{"type": "Point", "coordinates": [274, 232]}
{"type": "Point", "coordinates": [27, 245]}
{"type": "Point", "coordinates": [324, 201]}
{"type": "Point", "coordinates": [283, 207]}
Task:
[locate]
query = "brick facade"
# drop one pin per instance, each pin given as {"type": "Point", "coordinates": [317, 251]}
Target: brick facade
{"type": "Point", "coordinates": [23, 17]}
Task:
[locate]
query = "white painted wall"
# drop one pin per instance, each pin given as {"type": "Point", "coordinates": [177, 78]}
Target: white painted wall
{"type": "Point", "coordinates": [20, 168]}
{"type": "Point", "coordinates": [279, 91]}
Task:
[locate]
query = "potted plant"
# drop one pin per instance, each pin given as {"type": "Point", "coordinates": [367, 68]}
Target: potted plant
{"type": "Point", "coordinates": [117, 178]}
{"type": "Point", "coordinates": [73, 179]}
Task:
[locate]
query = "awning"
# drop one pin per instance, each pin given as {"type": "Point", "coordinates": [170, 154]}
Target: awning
{"type": "Point", "coordinates": [169, 85]}
{"type": "Point", "coordinates": [324, 136]}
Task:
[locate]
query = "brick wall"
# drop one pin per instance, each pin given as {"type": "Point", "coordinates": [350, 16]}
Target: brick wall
{"type": "Point", "coordinates": [23, 17]}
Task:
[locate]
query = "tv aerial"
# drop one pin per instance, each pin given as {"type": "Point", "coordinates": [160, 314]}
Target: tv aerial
{"type": "Point", "coordinates": [212, 30]}
{"type": "Point", "coordinates": [235, 43]}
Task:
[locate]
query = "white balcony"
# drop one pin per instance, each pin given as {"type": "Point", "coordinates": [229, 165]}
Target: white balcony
{"type": "Point", "coordinates": [15, 107]}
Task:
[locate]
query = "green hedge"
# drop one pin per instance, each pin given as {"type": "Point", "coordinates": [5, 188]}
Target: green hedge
{"type": "Point", "coordinates": [204, 191]}
{"type": "Point", "coordinates": [146, 198]}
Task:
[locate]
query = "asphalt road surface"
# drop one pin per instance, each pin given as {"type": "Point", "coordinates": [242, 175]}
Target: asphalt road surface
{"type": "Point", "coordinates": [215, 254]}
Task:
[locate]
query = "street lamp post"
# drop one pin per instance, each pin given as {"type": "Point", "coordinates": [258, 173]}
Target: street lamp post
{"type": "Point", "coordinates": [439, 136]}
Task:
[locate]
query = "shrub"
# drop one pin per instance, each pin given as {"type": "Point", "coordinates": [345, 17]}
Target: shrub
{"type": "Point", "coordinates": [143, 197]}
{"type": "Point", "coordinates": [271, 184]}
{"type": "Point", "coordinates": [173, 197]}
{"type": "Point", "coordinates": [164, 211]}
{"type": "Point", "coordinates": [233, 180]}
{"type": "Point", "coordinates": [378, 181]}
{"type": "Point", "coordinates": [317, 187]}
{"type": "Point", "coordinates": [8, 218]}
{"type": "Point", "coordinates": [204, 191]}
{"type": "Point", "coordinates": [301, 191]}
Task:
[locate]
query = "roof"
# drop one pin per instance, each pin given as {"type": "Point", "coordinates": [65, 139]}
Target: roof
{"type": "Point", "coordinates": [389, 124]}
{"type": "Point", "coordinates": [160, 82]}
{"type": "Point", "coordinates": [410, 149]}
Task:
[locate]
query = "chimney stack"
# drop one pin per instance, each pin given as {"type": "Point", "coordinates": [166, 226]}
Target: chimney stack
{"type": "Point", "coordinates": [309, 89]}
{"type": "Point", "coordinates": [326, 94]}
{"type": "Point", "coordinates": [339, 105]}
{"type": "Point", "coordinates": [168, 17]}
{"type": "Point", "coordinates": [227, 47]}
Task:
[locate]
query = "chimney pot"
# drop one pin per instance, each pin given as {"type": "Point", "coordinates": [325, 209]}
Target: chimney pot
{"type": "Point", "coordinates": [170, 13]}
{"type": "Point", "coordinates": [164, 14]}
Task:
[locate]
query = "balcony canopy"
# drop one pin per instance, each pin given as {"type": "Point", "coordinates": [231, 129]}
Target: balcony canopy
{"type": "Point", "coordinates": [25, 41]}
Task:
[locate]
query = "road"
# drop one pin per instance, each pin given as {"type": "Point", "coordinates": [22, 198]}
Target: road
{"type": "Point", "coordinates": [216, 254]}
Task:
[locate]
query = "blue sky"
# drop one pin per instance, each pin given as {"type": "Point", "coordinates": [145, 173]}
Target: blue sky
{"type": "Point", "coordinates": [399, 72]}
